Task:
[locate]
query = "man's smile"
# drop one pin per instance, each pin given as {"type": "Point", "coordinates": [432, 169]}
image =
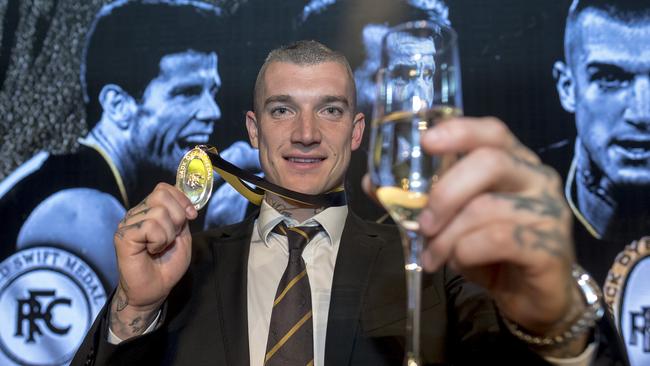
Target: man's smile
{"type": "Point", "coordinates": [304, 162]}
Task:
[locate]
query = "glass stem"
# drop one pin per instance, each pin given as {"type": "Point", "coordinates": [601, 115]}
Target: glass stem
{"type": "Point", "coordinates": [413, 242]}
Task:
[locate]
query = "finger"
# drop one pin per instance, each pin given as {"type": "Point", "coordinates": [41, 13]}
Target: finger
{"type": "Point", "coordinates": [476, 251]}
{"type": "Point", "coordinates": [182, 243]}
{"type": "Point", "coordinates": [481, 211]}
{"type": "Point", "coordinates": [171, 210]}
{"type": "Point", "coordinates": [156, 205]}
{"type": "Point", "coordinates": [174, 201]}
{"type": "Point", "coordinates": [484, 170]}
{"type": "Point", "coordinates": [162, 216]}
{"type": "Point", "coordinates": [494, 207]}
{"type": "Point", "coordinates": [464, 134]}
{"type": "Point", "coordinates": [533, 248]}
{"type": "Point", "coordinates": [158, 235]}
{"type": "Point", "coordinates": [179, 197]}
{"type": "Point", "coordinates": [369, 188]}
{"type": "Point", "coordinates": [147, 234]}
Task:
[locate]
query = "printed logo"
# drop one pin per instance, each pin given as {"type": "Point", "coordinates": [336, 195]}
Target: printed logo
{"type": "Point", "coordinates": [627, 296]}
{"type": "Point", "coordinates": [53, 297]}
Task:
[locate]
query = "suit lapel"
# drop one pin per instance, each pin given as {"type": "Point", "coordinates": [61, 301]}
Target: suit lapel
{"type": "Point", "coordinates": [358, 252]}
{"type": "Point", "coordinates": [231, 259]}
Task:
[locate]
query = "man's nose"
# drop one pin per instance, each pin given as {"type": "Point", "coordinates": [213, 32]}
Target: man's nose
{"type": "Point", "coordinates": [638, 111]}
{"type": "Point", "coordinates": [307, 131]}
{"type": "Point", "coordinates": [208, 108]}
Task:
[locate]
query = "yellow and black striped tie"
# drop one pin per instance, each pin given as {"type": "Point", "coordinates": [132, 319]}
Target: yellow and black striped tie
{"type": "Point", "coordinates": [291, 339]}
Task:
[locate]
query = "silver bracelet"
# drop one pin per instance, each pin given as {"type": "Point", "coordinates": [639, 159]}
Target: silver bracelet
{"type": "Point", "coordinates": [583, 323]}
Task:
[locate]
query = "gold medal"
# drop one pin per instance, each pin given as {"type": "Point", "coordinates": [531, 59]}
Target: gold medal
{"type": "Point", "coordinates": [194, 177]}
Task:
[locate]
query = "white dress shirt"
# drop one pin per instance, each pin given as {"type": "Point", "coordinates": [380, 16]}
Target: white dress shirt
{"type": "Point", "coordinates": [267, 261]}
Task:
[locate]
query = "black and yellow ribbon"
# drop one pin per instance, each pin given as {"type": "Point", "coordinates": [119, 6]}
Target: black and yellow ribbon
{"type": "Point", "coordinates": [238, 179]}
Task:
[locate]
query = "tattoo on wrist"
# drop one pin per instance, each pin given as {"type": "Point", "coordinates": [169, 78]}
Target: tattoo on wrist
{"type": "Point", "coordinates": [121, 325]}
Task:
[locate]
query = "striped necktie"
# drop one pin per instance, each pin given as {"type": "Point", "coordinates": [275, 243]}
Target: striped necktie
{"type": "Point", "coordinates": [291, 340]}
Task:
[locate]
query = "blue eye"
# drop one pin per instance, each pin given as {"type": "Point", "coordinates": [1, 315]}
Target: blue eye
{"type": "Point", "coordinates": [279, 111]}
{"type": "Point", "coordinates": [333, 111]}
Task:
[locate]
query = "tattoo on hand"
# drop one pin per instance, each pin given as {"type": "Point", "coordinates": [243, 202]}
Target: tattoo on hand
{"type": "Point", "coordinates": [537, 167]}
{"type": "Point", "coordinates": [551, 241]}
{"type": "Point", "coordinates": [546, 205]}
{"type": "Point", "coordinates": [121, 230]}
{"type": "Point", "coordinates": [140, 208]}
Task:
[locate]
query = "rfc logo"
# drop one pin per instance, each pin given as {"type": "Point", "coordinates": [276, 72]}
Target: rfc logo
{"type": "Point", "coordinates": [628, 296]}
{"type": "Point", "coordinates": [49, 298]}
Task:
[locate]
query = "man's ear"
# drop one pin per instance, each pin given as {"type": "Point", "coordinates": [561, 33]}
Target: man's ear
{"type": "Point", "coordinates": [251, 126]}
{"type": "Point", "coordinates": [358, 125]}
{"type": "Point", "coordinates": [565, 84]}
{"type": "Point", "coordinates": [118, 105]}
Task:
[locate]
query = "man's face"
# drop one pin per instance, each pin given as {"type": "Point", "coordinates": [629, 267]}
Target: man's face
{"type": "Point", "coordinates": [178, 108]}
{"type": "Point", "coordinates": [411, 72]}
{"type": "Point", "coordinates": [305, 126]}
{"type": "Point", "coordinates": [611, 68]}
{"type": "Point", "coordinates": [410, 66]}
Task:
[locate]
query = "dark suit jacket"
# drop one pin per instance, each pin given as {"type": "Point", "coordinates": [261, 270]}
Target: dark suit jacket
{"type": "Point", "coordinates": [204, 320]}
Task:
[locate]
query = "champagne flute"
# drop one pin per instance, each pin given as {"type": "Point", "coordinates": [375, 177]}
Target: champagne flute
{"type": "Point", "coordinates": [418, 85]}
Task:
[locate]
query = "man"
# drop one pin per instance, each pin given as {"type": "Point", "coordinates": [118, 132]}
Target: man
{"type": "Point", "coordinates": [211, 298]}
{"type": "Point", "coordinates": [604, 82]}
{"type": "Point", "coordinates": [149, 76]}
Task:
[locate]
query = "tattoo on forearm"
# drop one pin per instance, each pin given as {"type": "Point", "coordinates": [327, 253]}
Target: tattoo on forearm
{"type": "Point", "coordinates": [552, 242]}
{"type": "Point", "coordinates": [546, 205]}
{"type": "Point", "coordinates": [121, 324]}
{"type": "Point", "coordinates": [123, 229]}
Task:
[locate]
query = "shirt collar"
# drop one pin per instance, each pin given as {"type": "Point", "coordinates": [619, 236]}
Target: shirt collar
{"type": "Point", "coordinates": [332, 220]}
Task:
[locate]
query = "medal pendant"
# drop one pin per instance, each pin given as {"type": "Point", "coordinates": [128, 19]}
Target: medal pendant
{"type": "Point", "coordinates": [194, 177]}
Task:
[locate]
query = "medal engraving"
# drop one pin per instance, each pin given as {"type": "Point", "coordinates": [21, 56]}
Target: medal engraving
{"type": "Point", "coordinates": [194, 177]}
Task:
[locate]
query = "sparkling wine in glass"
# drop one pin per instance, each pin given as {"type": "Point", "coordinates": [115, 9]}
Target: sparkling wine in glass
{"type": "Point", "coordinates": [418, 86]}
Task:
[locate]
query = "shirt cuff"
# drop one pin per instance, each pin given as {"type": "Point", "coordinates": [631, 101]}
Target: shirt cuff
{"type": "Point", "coordinates": [583, 359]}
{"type": "Point", "coordinates": [113, 339]}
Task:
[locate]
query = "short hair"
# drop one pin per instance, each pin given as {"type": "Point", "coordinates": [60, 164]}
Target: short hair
{"type": "Point", "coordinates": [303, 53]}
{"type": "Point", "coordinates": [625, 11]}
{"type": "Point", "coordinates": [128, 38]}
